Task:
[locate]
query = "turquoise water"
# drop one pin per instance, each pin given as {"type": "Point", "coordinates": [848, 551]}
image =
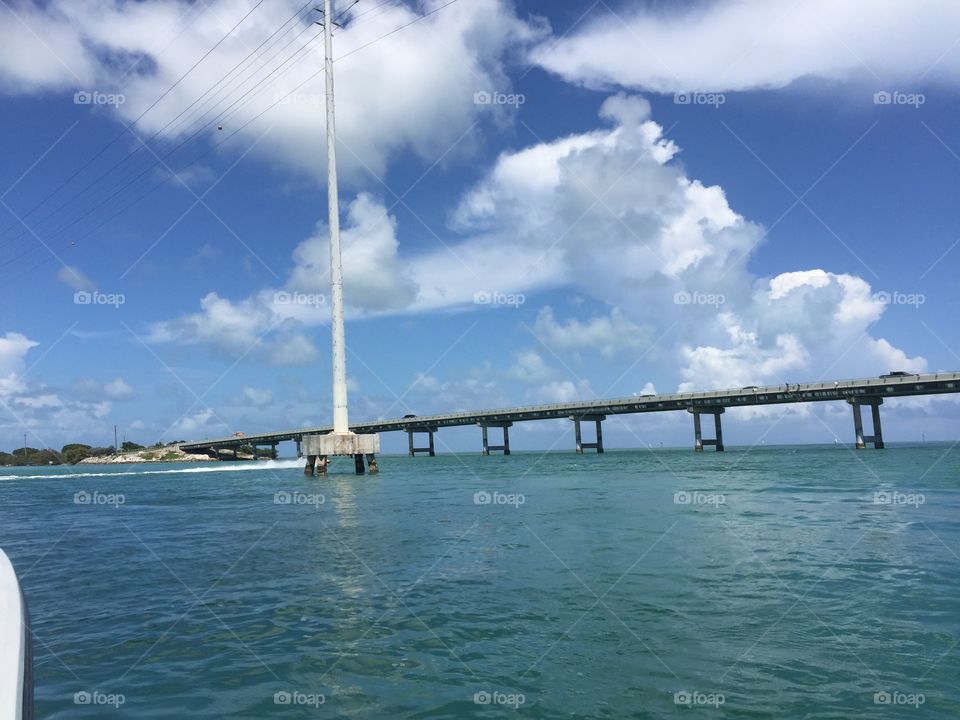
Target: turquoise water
{"type": "Point", "coordinates": [586, 587]}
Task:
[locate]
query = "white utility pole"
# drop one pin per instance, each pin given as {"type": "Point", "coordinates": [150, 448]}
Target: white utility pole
{"type": "Point", "coordinates": [341, 423]}
{"type": "Point", "coordinates": [319, 448]}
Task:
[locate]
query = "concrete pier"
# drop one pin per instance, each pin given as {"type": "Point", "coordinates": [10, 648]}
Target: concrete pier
{"type": "Point", "coordinates": [598, 445]}
{"type": "Point", "coordinates": [861, 439]}
{"type": "Point", "coordinates": [698, 441]}
{"type": "Point", "coordinates": [412, 450]}
{"type": "Point", "coordinates": [355, 445]}
{"type": "Point", "coordinates": [487, 447]}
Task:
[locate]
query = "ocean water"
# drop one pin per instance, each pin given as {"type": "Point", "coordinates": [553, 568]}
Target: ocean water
{"type": "Point", "coordinates": [779, 582]}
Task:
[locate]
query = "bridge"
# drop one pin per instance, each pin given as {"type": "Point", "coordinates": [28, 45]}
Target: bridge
{"type": "Point", "coordinates": [868, 392]}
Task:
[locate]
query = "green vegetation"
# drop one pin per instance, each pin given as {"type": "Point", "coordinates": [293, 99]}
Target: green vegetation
{"type": "Point", "coordinates": [72, 453]}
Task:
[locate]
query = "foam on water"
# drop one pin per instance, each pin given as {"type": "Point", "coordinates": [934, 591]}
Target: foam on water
{"type": "Point", "coordinates": [217, 467]}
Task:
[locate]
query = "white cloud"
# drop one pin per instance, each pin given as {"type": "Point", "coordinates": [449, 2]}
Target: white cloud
{"type": "Point", "coordinates": [608, 213]}
{"type": "Point", "coordinates": [73, 278]}
{"type": "Point", "coordinates": [13, 349]}
{"type": "Point", "coordinates": [259, 398]}
{"type": "Point", "coordinates": [606, 334]}
{"type": "Point", "coordinates": [412, 91]}
{"type": "Point", "coordinates": [118, 389]}
{"type": "Point", "coordinates": [530, 367]}
{"type": "Point", "coordinates": [730, 45]}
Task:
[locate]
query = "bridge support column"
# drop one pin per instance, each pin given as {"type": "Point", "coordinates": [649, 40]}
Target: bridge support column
{"type": "Point", "coordinates": [698, 441]}
{"type": "Point", "coordinates": [299, 448]}
{"type": "Point", "coordinates": [598, 445]}
{"type": "Point", "coordinates": [412, 450]}
{"type": "Point", "coordinates": [487, 447]}
{"type": "Point", "coordinates": [309, 469]}
{"type": "Point", "coordinates": [861, 439]}
{"type": "Point", "coordinates": [352, 445]}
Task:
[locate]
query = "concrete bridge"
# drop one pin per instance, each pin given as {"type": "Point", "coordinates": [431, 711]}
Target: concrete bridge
{"type": "Point", "coordinates": [868, 392]}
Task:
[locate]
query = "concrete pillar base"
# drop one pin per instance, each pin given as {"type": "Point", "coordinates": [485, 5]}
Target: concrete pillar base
{"type": "Point", "coordinates": [487, 447]}
{"type": "Point", "coordinates": [580, 445]}
{"type": "Point", "coordinates": [412, 450]}
{"type": "Point", "coordinates": [861, 440]}
{"type": "Point", "coordinates": [698, 441]}
{"type": "Point", "coordinates": [311, 461]}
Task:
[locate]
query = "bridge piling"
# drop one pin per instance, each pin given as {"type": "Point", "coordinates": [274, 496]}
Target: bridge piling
{"type": "Point", "coordinates": [698, 441]}
{"type": "Point", "coordinates": [580, 445]}
{"type": "Point", "coordinates": [861, 440]}
{"type": "Point", "coordinates": [487, 447]}
{"type": "Point", "coordinates": [412, 450]}
{"type": "Point", "coordinates": [309, 469]}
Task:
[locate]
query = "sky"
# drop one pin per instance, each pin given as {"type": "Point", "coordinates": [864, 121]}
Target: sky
{"type": "Point", "coordinates": [539, 202]}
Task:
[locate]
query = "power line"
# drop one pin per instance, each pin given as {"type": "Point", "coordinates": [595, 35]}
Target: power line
{"type": "Point", "coordinates": [241, 127]}
{"type": "Point", "coordinates": [140, 148]}
{"type": "Point", "coordinates": [140, 117]}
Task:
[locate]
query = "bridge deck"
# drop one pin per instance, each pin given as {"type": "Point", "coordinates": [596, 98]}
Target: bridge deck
{"type": "Point", "coordinates": [883, 387]}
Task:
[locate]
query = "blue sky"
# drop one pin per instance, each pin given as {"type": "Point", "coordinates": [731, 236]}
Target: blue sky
{"type": "Point", "coordinates": [633, 156]}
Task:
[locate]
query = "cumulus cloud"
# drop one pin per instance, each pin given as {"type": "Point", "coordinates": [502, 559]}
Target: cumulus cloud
{"type": "Point", "coordinates": [608, 335]}
{"type": "Point", "coordinates": [611, 214]}
{"type": "Point", "coordinates": [118, 389]}
{"type": "Point", "coordinates": [13, 349]}
{"type": "Point", "coordinates": [73, 278]}
{"type": "Point", "coordinates": [757, 44]}
{"type": "Point", "coordinates": [418, 98]}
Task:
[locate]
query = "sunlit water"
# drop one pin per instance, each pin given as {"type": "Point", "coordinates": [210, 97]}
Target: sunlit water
{"type": "Point", "coordinates": [764, 584]}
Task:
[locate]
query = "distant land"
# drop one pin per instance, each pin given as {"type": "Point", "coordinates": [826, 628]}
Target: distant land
{"type": "Point", "coordinates": [79, 453]}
